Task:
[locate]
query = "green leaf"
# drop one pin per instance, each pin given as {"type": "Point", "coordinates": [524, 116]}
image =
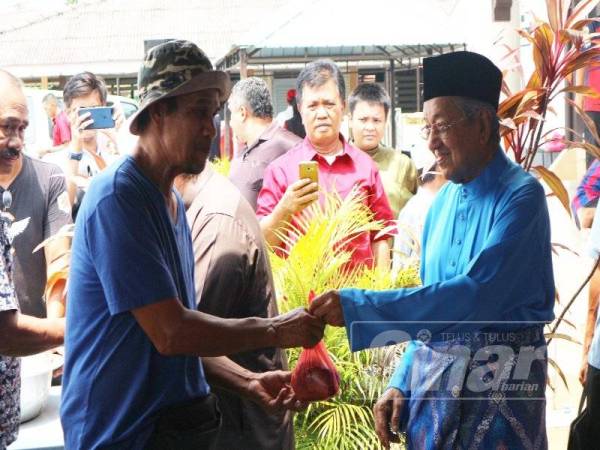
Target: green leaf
{"type": "Point", "coordinates": [314, 259]}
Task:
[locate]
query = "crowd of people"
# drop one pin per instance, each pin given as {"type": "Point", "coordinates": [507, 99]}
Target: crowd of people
{"type": "Point", "coordinates": [172, 337]}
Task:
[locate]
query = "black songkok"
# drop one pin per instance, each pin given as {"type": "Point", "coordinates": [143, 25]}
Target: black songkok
{"type": "Point", "coordinates": [462, 74]}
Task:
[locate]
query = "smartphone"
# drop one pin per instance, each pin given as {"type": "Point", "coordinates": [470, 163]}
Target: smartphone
{"type": "Point", "coordinates": [309, 169]}
{"type": "Point", "coordinates": [102, 116]}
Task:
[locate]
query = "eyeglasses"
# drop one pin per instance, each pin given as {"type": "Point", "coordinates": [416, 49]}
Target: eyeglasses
{"type": "Point", "coordinates": [439, 128]}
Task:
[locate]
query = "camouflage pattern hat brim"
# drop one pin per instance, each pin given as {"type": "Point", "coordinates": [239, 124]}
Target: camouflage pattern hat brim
{"type": "Point", "coordinates": [176, 68]}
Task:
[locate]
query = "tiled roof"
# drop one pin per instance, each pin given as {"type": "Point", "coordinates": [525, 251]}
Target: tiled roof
{"type": "Point", "coordinates": [111, 33]}
{"type": "Point", "coordinates": [17, 14]}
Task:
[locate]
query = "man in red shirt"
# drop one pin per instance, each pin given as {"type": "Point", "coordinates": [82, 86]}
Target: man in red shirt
{"type": "Point", "coordinates": [320, 94]}
{"type": "Point", "coordinates": [61, 129]}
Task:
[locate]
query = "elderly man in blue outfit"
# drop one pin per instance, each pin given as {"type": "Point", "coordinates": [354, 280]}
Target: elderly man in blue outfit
{"type": "Point", "coordinates": [476, 378]}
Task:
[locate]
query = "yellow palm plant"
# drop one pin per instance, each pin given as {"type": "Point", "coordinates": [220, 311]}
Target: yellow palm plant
{"type": "Point", "coordinates": [221, 166]}
{"type": "Point", "coordinates": [314, 250]}
{"type": "Point", "coordinates": [314, 256]}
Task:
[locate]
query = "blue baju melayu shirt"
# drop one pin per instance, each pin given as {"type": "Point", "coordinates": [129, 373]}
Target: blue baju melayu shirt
{"type": "Point", "coordinates": [486, 266]}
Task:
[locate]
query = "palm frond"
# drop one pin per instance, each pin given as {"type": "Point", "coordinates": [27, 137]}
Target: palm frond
{"type": "Point", "coordinates": [221, 166]}
{"type": "Point", "coordinates": [314, 256]}
{"type": "Point", "coordinates": [66, 231]}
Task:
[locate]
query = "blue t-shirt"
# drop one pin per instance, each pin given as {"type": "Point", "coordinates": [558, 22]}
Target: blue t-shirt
{"type": "Point", "coordinates": [126, 253]}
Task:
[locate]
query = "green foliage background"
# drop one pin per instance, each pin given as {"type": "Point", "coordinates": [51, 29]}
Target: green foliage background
{"type": "Point", "coordinates": [314, 257]}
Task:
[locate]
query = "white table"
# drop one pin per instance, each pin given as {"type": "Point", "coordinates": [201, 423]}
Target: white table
{"type": "Point", "coordinates": [44, 432]}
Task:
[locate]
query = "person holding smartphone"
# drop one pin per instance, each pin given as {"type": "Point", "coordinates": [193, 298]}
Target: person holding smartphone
{"type": "Point", "coordinates": [320, 94]}
{"type": "Point", "coordinates": [91, 148]}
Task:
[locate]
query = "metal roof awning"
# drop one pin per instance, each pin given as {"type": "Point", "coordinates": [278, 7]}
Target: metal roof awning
{"type": "Point", "coordinates": [405, 56]}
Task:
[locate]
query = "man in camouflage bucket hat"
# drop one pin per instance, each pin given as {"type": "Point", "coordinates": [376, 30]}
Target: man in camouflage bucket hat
{"type": "Point", "coordinates": [133, 377]}
{"type": "Point", "coordinates": [176, 68]}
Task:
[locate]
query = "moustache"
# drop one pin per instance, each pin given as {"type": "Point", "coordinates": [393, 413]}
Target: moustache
{"type": "Point", "coordinates": [10, 152]}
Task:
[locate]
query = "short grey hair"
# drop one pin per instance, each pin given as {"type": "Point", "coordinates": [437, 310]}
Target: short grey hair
{"type": "Point", "coordinates": [253, 93]}
{"type": "Point", "coordinates": [49, 98]}
{"type": "Point", "coordinates": [470, 107]}
{"type": "Point", "coordinates": [316, 74]}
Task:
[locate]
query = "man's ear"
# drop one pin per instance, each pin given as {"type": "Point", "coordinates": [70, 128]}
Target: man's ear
{"type": "Point", "coordinates": [157, 112]}
{"type": "Point", "coordinates": [244, 113]}
{"type": "Point", "coordinates": [485, 128]}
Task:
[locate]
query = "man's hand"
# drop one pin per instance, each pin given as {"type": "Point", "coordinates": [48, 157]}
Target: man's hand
{"type": "Point", "coordinates": [298, 196]}
{"type": "Point", "coordinates": [118, 116]}
{"type": "Point", "coordinates": [297, 328]}
{"type": "Point", "coordinates": [583, 369]}
{"type": "Point", "coordinates": [273, 392]}
{"type": "Point", "coordinates": [328, 307]}
{"type": "Point", "coordinates": [387, 412]}
{"type": "Point", "coordinates": [111, 133]}
{"type": "Point", "coordinates": [78, 131]}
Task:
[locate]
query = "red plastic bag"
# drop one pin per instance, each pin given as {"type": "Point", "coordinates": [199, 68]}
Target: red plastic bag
{"type": "Point", "coordinates": [315, 377]}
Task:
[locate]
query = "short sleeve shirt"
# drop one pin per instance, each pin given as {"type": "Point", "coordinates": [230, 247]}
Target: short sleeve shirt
{"type": "Point", "coordinates": [40, 207]}
{"type": "Point", "coordinates": [127, 253]}
{"type": "Point", "coordinates": [10, 368]}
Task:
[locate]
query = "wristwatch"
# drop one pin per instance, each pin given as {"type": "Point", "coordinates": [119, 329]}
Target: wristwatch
{"type": "Point", "coordinates": [75, 156]}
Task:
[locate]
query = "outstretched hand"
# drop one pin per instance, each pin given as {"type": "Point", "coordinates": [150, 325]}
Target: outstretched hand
{"type": "Point", "coordinates": [273, 392]}
{"type": "Point", "coordinates": [328, 307]}
{"type": "Point", "coordinates": [297, 328]}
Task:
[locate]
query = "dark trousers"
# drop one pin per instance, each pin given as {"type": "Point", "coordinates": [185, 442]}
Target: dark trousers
{"type": "Point", "coordinates": [190, 426]}
{"type": "Point", "coordinates": [592, 387]}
